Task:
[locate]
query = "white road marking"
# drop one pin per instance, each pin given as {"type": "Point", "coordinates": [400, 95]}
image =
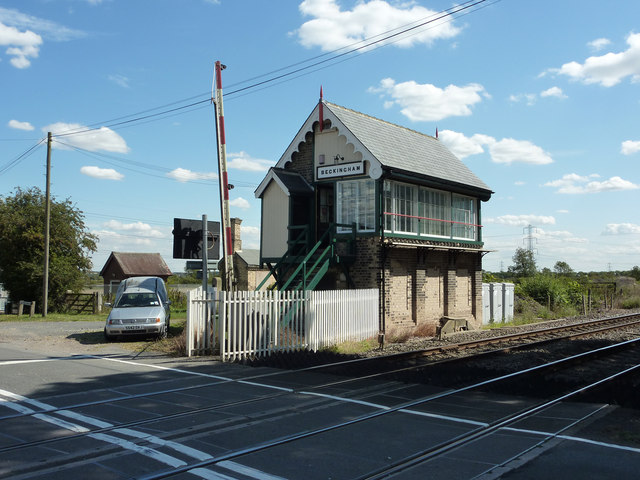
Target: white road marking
{"type": "Point", "coordinates": [127, 445]}
{"type": "Point", "coordinates": [40, 360]}
{"type": "Point", "coordinates": [247, 471]}
{"type": "Point", "coordinates": [445, 417]}
{"type": "Point", "coordinates": [210, 474]}
{"type": "Point", "coordinates": [573, 439]}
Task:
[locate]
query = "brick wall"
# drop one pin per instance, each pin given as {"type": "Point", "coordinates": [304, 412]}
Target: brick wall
{"type": "Point", "coordinates": [302, 160]}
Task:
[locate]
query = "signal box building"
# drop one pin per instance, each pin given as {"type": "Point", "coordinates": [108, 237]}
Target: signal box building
{"type": "Point", "coordinates": [357, 202]}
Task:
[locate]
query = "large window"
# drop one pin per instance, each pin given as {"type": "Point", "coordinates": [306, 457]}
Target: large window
{"type": "Point", "coordinates": [411, 209]}
{"type": "Point", "coordinates": [355, 203]}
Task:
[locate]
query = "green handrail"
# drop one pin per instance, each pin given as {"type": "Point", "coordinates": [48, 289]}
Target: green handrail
{"type": "Point", "coordinates": [289, 253]}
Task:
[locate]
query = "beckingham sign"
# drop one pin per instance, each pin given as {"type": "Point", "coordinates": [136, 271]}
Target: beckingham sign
{"type": "Point", "coordinates": [344, 170]}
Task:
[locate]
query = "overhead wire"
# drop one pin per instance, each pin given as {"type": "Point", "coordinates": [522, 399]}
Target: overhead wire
{"type": "Point", "coordinates": [124, 164]}
{"type": "Point", "coordinates": [359, 46]}
{"type": "Point", "coordinates": [24, 155]}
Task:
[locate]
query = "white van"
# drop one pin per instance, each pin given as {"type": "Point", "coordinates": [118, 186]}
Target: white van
{"type": "Point", "coordinates": [141, 308]}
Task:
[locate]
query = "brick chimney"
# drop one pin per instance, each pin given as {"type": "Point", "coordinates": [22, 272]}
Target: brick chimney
{"type": "Point", "coordinates": [235, 234]}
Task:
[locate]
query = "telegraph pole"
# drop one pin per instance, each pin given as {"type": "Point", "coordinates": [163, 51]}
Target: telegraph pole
{"type": "Point", "coordinates": [47, 215]}
{"type": "Point", "coordinates": [225, 220]}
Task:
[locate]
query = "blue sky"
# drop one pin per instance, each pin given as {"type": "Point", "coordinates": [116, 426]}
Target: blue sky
{"type": "Point", "coordinates": [541, 99]}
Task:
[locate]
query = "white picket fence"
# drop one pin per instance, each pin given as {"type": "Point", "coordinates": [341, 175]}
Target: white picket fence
{"type": "Point", "coordinates": [255, 324]}
{"type": "Point", "coordinates": [202, 314]}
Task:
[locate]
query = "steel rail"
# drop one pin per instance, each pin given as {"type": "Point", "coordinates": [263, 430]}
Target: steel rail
{"type": "Point", "coordinates": [194, 411]}
{"type": "Point", "coordinates": [481, 432]}
{"type": "Point", "coordinates": [446, 446]}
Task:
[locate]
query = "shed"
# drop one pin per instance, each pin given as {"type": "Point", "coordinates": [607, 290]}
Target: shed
{"type": "Point", "coordinates": [121, 265]}
{"type": "Point", "coordinates": [247, 269]}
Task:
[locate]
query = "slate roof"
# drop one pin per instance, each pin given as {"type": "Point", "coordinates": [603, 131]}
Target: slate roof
{"type": "Point", "coordinates": [291, 182]}
{"type": "Point", "coordinates": [400, 148]}
{"type": "Point", "coordinates": [250, 256]}
{"type": "Point", "coordinates": [138, 264]}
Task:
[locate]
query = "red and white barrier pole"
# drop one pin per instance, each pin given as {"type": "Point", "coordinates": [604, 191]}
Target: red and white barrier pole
{"type": "Point", "coordinates": [227, 245]}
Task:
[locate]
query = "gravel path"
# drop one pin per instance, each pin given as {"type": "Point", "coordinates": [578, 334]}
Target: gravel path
{"type": "Point", "coordinates": [58, 338]}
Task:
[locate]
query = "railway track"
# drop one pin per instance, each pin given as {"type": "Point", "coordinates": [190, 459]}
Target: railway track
{"type": "Point", "coordinates": [419, 458]}
{"type": "Point", "coordinates": [357, 382]}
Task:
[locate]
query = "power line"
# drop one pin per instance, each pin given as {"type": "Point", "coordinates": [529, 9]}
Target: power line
{"type": "Point", "coordinates": [24, 155]}
{"type": "Point", "coordinates": [461, 9]}
{"type": "Point", "coordinates": [122, 163]}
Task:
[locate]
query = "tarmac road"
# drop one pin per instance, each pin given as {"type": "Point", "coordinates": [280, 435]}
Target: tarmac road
{"type": "Point", "coordinates": [48, 366]}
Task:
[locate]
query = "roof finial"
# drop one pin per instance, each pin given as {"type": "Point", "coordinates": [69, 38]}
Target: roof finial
{"type": "Point", "coordinates": [320, 110]}
{"type": "Point", "coordinates": [436, 133]}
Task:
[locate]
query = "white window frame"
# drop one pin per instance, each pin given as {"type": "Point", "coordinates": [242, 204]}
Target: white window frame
{"type": "Point", "coordinates": [356, 199]}
{"type": "Point", "coordinates": [410, 213]}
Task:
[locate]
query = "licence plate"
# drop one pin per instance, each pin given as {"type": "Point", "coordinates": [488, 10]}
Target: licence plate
{"type": "Point", "coordinates": [133, 327]}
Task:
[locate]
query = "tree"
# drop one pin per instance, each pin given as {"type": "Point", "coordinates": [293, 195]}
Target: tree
{"type": "Point", "coordinates": [524, 265]}
{"type": "Point", "coordinates": [22, 221]}
{"type": "Point", "coordinates": [562, 268]}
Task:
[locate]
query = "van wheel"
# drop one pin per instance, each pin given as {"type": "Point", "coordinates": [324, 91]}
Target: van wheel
{"type": "Point", "coordinates": [163, 334]}
{"type": "Point", "coordinates": [107, 337]}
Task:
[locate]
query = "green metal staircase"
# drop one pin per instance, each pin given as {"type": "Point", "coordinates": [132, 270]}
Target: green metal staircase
{"type": "Point", "coordinates": [302, 268]}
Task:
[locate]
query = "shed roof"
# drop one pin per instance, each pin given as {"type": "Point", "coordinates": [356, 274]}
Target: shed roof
{"type": "Point", "coordinates": [290, 182]}
{"type": "Point", "coordinates": [250, 256]}
{"type": "Point", "coordinates": [135, 264]}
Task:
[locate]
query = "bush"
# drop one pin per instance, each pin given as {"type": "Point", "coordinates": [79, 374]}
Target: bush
{"type": "Point", "coordinates": [178, 299]}
{"type": "Point", "coordinates": [631, 302]}
{"type": "Point", "coordinates": [556, 292]}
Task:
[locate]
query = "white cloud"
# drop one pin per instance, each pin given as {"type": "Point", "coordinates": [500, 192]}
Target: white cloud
{"type": "Point", "coordinates": [621, 229]}
{"type": "Point", "coordinates": [243, 161]}
{"type": "Point", "coordinates": [522, 220]}
{"type": "Point", "coordinates": [507, 150]}
{"type": "Point", "coordinates": [183, 175]}
{"type": "Point", "coordinates": [93, 140]}
{"type": "Point", "coordinates": [629, 147]}
{"type": "Point", "coordinates": [599, 43]}
{"type": "Point", "coordinates": [23, 35]}
{"type": "Point", "coordinates": [102, 173]}
{"type": "Point", "coordinates": [119, 80]}
{"type": "Point", "coordinates": [250, 236]}
{"type": "Point", "coordinates": [559, 237]}
{"type": "Point", "coordinates": [529, 98]}
{"type": "Point", "coordinates": [577, 184]}
{"type": "Point", "coordinates": [20, 125]}
{"type": "Point", "coordinates": [114, 241]}
{"type": "Point", "coordinates": [240, 203]}
{"type": "Point", "coordinates": [331, 27]}
{"type": "Point", "coordinates": [136, 228]}
{"type": "Point", "coordinates": [460, 145]}
{"type": "Point", "coordinates": [608, 69]}
{"type": "Point", "coordinates": [46, 28]}
{"type": "Point", "coordinates": [553, 92]}
{"type": "Point", "coordinates": [426, 102]}
{"type": "Point", "coordinates": [21, 45]}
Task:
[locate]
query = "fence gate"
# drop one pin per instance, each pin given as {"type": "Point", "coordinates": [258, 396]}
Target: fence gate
{"type": "Point", "coordinates": [202, 314]}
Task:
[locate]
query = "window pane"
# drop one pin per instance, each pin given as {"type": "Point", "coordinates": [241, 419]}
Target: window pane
{"type": "Point", "coordinates": [434, 213]}
{"type": "Point", "coordinates": [356, 204]}
{"type": "Point", "coordinates": [464, 216]}
{"type": "Point", "coordinates": [405, 208]}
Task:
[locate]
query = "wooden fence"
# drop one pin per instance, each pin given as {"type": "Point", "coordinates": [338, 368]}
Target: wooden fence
{"type": "Point", "coordinates": [82, 302]}
{"type": "Point", "coordinates": [255, 324]}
